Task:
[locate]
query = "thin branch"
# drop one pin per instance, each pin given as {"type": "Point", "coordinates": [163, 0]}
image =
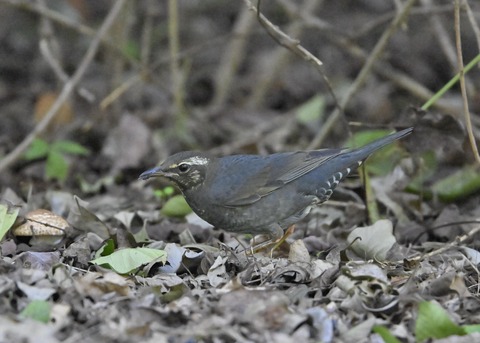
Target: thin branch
{"type": "Point", "coordinates": [60, 19]}
{"type": "Point", "coordinates": [398, 77]}
{"type": "Point", "coordinates": [52, 15]}
{"type": "Point", "coordinates": [374, 56]}
{"type": "Point", "coordinates": [148, 72]}
{"type": "Point", "coordinates": [178, 89]}
{"type": "Point", "coordinates": [473, 23]}
{"type": "Point", "coordinates": [440, 32]}
{"type": "Point", "coordinates": [232, 58]}
{"type": "Point", "coordinates": [459, 240]}
{"type": "Point", "coordinates": [468, 122]}
{"type": "Point", "coordinates": [442, 35]}
{"type": "Point", "coordinates": [151, 14]}
{"type": "Point", "coordinates": [67, 88]}
{"type": "Point", "coordinates": [50, 49]}
{"type": "Point", "coordinates": [383, 19]}
{"type": "Point", "coordinates": [291, 44]}
{"type": "Point", "coordinates": [284, 39]}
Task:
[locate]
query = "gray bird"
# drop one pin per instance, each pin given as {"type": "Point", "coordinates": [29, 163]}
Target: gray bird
{"type": "Point", "coordinates": [262, 194]}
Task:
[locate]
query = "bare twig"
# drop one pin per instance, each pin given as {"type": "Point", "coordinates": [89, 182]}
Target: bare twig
{"type": "Point", "coordinates": [178, 90]}
{"type": "Point", "coordinates": [374, 56]}
{"type": "Point", "coordinates": [231, 59]}
{"type": "Point", "coordinates": [375, 23]}
{"type": "Point", "coordinates": [473, 23]}
{"type": "Point", "coordinates": [459, 240]}
{"type": "Point", "coordinates": [151, 13]}
{"type": "Point", "coordinates": [291, 44]}
{"type": "Point", "coordinates": [284, 39]}
{"type": "Point", "coordinates": [52, 15]}
{"type": "Point", "coordinates": [50, 49]}
{"type": "Point", "coordinates": [67, 88]}
{"type": "Point", "coordinates": [468, 122]}
{"type": "Point", "coordinates": [398, 77]}
{"type": "Point", "coordinates": [58, 18]}
{"type": "Point", "coordinates": [150, 71]}
{"type": "Point", "coordinates": [441, 34]}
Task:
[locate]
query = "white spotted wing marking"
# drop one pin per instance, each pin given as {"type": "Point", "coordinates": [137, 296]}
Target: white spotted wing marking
{"type": "Point", "coordinates": [333, 182]}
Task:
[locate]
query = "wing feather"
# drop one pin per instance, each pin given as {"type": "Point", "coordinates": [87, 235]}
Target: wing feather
{"type": "Point", "coordinates": [266, 174]}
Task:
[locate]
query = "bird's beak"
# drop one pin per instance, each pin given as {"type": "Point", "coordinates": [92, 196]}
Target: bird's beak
{"type": "Point", "coordinates": [157, 171]}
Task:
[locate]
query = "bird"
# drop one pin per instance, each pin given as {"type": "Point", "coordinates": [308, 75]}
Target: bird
{"type": "Point", "coordinates": [262, 194]}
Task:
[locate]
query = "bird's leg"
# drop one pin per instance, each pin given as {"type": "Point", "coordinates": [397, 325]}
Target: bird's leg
{"type": "Point", "coordinates": [277, 237]}
{"type": "Point", "coordinates": [262, 245]}
{"type": "Point", "coordinates": [279, 242]}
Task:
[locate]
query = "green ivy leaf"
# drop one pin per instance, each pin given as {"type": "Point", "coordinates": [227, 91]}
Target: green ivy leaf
{"type": "Point", "coordinates": [385, 334]}
{"type": "Point", "coordinates": [69, 147]}
{"type": "Point", "coordinates": [382, 161]}
{"type": "Point", "coordinates": [8, 215]}
{"type": "Point", "coordinates": [132, 49]}
{"type": "Point", "coordinates": [433, 322]}
{"type": "Point", "coordinates": [127, 261]}
{"type": "Point", "coordinates": [164, 193]}
{"type": "Point", "coordinates": [38, 149]}
{"type": "Point", "coordinates": [107, 249]}
{"type": "Point", "coordinates": [57, 166]}
{"type": "Point", "coordinates": [176, 207]}
{"type": "Point", "coordinates": [311, 110]}
{"type": "Point", "coordinates": [459, 185]}
{"type": "Point", "coordinates": [38, 310]}
{"type": "Point", "coordinates": [471, 328]}
{"type": "Point", "coordinates": [427, 166]}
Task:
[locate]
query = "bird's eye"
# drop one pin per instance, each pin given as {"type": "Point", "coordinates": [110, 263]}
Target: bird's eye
{"type": "Point", "coordinates": [183, 167]}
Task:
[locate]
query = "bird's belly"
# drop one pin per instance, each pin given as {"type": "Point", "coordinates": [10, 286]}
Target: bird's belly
{"type": "Point", "coordinates": [258, 216]}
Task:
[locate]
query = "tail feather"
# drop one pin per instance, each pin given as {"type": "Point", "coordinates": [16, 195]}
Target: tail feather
{"type": "Point", "coordinates": [370, 148]}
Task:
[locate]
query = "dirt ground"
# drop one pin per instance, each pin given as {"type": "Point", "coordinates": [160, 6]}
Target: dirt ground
{"type": "Point", "coordinates": [93, 93]}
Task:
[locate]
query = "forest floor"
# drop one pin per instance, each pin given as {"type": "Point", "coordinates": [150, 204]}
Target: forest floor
{"type": "Point", "coordinates": [94, 93]}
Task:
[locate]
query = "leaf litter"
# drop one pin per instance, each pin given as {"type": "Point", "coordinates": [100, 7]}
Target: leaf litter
{"type": "Point", "coordinates": [409, 277]}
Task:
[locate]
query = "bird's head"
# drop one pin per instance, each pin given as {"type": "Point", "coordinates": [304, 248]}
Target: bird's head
{"type": "Point", "coordinates": [186, 169]}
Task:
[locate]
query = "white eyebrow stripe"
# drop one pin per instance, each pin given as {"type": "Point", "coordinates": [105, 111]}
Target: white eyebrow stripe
{"type": "Point", "coordinates": [197, 161]}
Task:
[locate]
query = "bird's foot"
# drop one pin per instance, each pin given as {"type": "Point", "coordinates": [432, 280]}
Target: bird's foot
{"type": "Point", "coordinates": [276, 241]}
{"type": "Point", "coordinates": [281, 240]}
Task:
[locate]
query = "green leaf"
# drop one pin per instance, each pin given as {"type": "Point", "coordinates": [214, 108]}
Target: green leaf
{"type": "Point", "coordinates": [382, 161]}
{"type": "Point", "coordinates": [362, 138]}
{"type": "Point", "coordinates": [69, 147]}
{"type": "Point", "coordinates": [38, 149]}
{"type": "Point", "coordinates": [126, 261]}
{"type": "Point", "coordinates": [57, 166]}
{"type": "Point", "coordinates": [164, 193]}
{"type": "Point", "coordinates": [38, 310]}
{"type": "Point", "coordinates": [385, 334]}
{"type": "Point", "coordinates": [176, 207]}
{"type": "Point", "coordinates": [427, 166]}
{"type": "Point", "coordinates": [459, 185]}
{"type": "Point", "coordinates": [8, 215]}
{"type": "Point", "coordinates": [311, 110]}
{"type": "Point", "coordinates": [471, 328]}
{"type": "Point", "coordinates": [132, 49]}
{"type": "Point", "coordinates": [433, 322]}
{"type": "Point", "coordinates": [107, 249]}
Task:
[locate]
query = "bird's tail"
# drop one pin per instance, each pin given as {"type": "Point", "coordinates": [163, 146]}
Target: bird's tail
{"type": "Point", "coordinates": [370, 148]}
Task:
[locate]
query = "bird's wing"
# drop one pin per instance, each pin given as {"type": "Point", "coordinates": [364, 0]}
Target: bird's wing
{"type": "Point", "coordinates": [269, 174]}
{"type": "Point", "coordinates": [302, 163]}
